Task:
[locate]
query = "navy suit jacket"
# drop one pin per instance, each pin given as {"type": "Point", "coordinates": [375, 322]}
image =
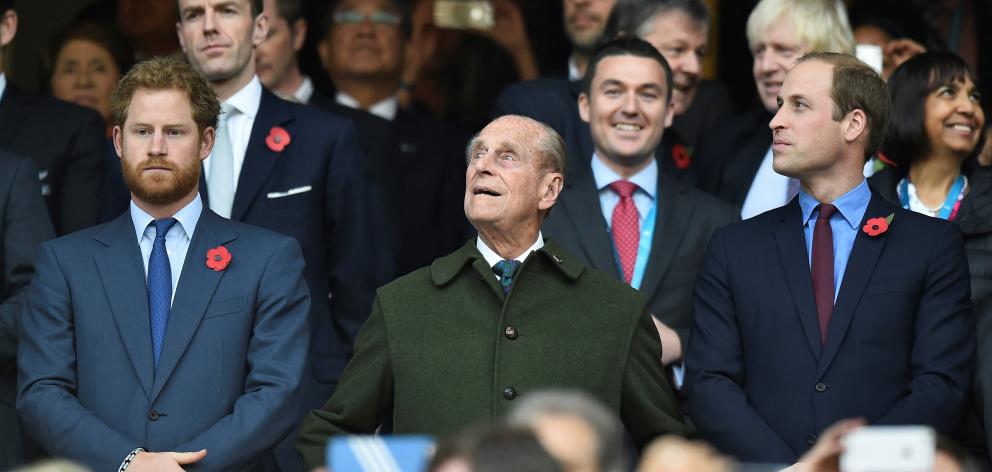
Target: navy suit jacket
{"type": "Point", "coordinates": [555, 102]}
{"type": "Point", "coordinates": [229, 377]}
{"type": "Point", "coordinates": [335, 217]}
{"type": "Point", "coordinates": [66, 143]}
{"type": "Point", "coordinates": [685, 221]}
{"type": "Point", "coordinates": [900, 346]}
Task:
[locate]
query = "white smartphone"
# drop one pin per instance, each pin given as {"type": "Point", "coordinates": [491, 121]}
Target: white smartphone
{"type": "Point", "coordinates": [870, 54]}
{"type": "Point", "coordinates": [889, 449]}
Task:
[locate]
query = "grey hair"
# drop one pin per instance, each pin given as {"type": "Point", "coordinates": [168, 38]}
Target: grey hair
{"type": "Point", "coordinates": [650, 10]}
{"type": "Point", "coordinates": [609, 433]}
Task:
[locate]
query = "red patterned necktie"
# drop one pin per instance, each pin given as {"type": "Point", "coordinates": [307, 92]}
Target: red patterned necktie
{"type": "Point", "coordinates": [823, 267]}
{"type": "Point", "coordinates": [625, 228]}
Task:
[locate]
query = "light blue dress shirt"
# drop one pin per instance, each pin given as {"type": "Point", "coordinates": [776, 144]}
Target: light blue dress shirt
{"type": "Point", "coordinates": [176, 240]}
{"type": "Point", "coordinates": [845, 223]}
{"type": "Point", "coordinates": [644, 199]}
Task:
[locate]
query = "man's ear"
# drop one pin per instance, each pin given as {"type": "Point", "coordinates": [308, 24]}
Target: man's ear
{"type": "Point", "coordinates": [261, 30]}
{"type": "Point", "coordinates": [207, 141]}
{"type": "Point", "coordinates": [299, 29]}
{"type": "Point", "coordinates": [552, 185]}
{"type": "Point", "coordinates": [855, 125]}
{"type": "Point", "coordinates": [118, 137]}
{"type": "Point", "coordinates": [584, 107]}
{"type": "Point", "coordinates": [8, 27]}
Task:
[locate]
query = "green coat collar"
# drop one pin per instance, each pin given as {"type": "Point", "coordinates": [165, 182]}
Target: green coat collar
{"type": "Point", "coordinates": [446, 268]}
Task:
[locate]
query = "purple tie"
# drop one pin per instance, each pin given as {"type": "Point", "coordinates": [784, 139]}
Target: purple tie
{"type": "Point", "coordinates": [823, 267]}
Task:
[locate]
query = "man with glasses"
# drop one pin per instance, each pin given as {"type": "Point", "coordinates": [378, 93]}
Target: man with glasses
{"type": "Point", "coordinates": [294, 170]}
{"type": "Point", "coordinates": [409, 153]}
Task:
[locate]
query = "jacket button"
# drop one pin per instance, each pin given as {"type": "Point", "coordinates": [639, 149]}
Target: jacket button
{"type": "Point", "coordinates": [821, 387]}
{"type": "Point", "coordinates": [509, 393]}
{"type": "Point", "coordinates": [510, 332]}
{"type": "Point", "coordinates": [153, 415]}
{"type": "Point", "coordinates": [811, 439]}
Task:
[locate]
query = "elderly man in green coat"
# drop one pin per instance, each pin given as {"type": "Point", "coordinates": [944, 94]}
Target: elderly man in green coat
{"type": "Point", "coordinates": [509, 313]}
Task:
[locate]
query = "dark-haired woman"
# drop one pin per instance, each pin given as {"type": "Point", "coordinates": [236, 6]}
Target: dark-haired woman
{"type": "Point", "coordinates": [934, 135]}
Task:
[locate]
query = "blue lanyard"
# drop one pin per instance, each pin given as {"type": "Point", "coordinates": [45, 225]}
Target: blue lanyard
{"type": "Point", "coordinates": [949, 210]}
{"type": "Point", "coordinates": [643, 249]}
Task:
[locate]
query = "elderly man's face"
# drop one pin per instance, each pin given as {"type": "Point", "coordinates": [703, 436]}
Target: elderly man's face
{"type": "Point", "coordinates": [219, 37]}
{"type": "Point", "coordinates": [683, 42]}
{"type": "Point", "coordinates": [365, 40]}
{"type": "Point", "coordinates": [774, 54]}
{"type": "Point", "coordinates": [505, 185]}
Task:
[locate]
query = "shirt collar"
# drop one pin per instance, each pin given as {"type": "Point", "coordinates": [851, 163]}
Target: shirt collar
{"type": "Point", "coordinates": [305, 91]}
{"type": "Point", "coordinates": [852, 205]}
{"type": "Point", "coordinates": [385, 108]}
{"type": "Point", "coordinates": [492, 258]}
{"type": "Point", "coordinates": [573, 69]}
{"type": "Point", "coordinates": [3, 83]}
{"type": "Point", "coordinates": [646, 179]}
{"type": "Point", "coordinates": [187, 217]}
{"type": "Point", "coordinates": [247, 99]}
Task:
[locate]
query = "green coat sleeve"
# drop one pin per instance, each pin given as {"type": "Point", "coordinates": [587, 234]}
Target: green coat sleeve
{"type": "Point", "coordinates": [363, 396]}
{"type": "Point", "coordinates": [648, 406]}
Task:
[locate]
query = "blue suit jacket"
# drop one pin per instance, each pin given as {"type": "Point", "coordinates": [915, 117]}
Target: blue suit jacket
{"type": "Point", "coordinates": [338, 222]}
{"type": "Point", "coordinates": [900, 346]}
{"type": "Point", "coordinates": [232, 361]}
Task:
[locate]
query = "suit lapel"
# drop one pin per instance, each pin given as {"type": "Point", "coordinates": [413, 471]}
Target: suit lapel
{"type": "Point", "coordinates": [672, 215]}
{"type": "Point", "coordinates": [581, 202]}
{"type": "Point", "coordinates": [860, 265]}
{"type": "Point", "coordinates": [259, 159]}
{"type": "Point", "coordinates": [195, 289]}
{"type": "Point", "coordinates": [123, 275]}
{"type": "Point", "coordinates": [791, 243]}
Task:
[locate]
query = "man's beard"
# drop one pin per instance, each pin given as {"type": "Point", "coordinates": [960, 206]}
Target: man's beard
{"type": "Point", "coordinates": [161, 188]}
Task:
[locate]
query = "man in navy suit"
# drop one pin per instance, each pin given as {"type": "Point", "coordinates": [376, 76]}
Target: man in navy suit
{"type": "Point", "coordinates": [836, 305]}
{"type": "Point", "coordinates": [169, 329]}
{"type": "Point", "coordinates": [295, 170]}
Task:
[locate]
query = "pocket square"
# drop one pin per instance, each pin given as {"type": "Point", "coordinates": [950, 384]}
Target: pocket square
{"type": "Point", "coordinates": [292, 191]}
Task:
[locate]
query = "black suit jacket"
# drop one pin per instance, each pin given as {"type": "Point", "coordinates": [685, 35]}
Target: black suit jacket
{"type": "Point", "coordinates": [24, 224]}
{"type": "Point", "coordinates": [685, 220]}
{"type": "Point", "coordinates": [419, 165]}
{"type": "Point", "coordinates": [727, 162]}
{"type": "Point", "coordinates": [555, 102]}
{"type": "Point", "coordinates": [66, 143]}
{"type": "Point", "coordinates": [318, 191]}
{"type": "Point", "coordinates": [900, 346]}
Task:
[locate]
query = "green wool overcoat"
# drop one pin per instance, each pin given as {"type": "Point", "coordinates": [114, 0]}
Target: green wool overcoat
{"type": "Point", "coordinates": [443, 348]}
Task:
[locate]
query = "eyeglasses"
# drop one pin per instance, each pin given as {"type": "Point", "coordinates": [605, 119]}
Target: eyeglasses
{"type": "Point", "coordinates": [354, 17]}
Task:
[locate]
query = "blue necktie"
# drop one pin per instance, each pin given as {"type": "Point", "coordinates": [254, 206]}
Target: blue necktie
{"type": "Point", "coordinates": [505, 270]}
{"type": "Point", "coordinates": [159, 286]}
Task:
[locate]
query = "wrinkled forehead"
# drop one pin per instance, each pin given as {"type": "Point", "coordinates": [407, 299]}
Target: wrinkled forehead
{"type": "Point", "coordinates": [508, 133]}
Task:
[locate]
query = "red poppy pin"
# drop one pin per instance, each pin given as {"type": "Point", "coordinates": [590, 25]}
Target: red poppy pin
{"type": "Point", "coordinates": [876, 226]}
{"type": "Point", "coordinates": [218, 258]}
{"type": "Point", "coordinates": [278, 139]}
{"type": "Point", "coordinates": [682, 156]}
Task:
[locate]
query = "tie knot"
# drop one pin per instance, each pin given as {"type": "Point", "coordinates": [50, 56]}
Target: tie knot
{"type": "Point", "coordinates": [826, 211]}
{"type": "Point", "coordinates": [506, 268]}
{"type": "Point", "coordinates": [623, 188]}
{"type": "Point", "coordinates": [163, 226]}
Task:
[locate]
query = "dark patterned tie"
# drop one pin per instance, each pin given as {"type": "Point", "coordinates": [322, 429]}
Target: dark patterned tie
{"type": "Point", "coordinates": [625, 227]}
{"type": "Point", "coordinates": [505, 270]}
{"type": "Point", "coordinates": [159, 286]}
{"type": "Point", "coordinates": [823, 267]}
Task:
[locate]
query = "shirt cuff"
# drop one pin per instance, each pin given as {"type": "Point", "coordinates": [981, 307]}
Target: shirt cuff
{"type": "Point", "coordinates": [130, 457]}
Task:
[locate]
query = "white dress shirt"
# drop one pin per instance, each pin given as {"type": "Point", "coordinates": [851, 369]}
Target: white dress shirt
{"type": "Point", "coordinates": [176, 240]}
{"type": "Point", "coordinates": [3, 83]}
{"type": "Point", "coordinates": [305, 91]}
{"type": "Point", "coordinates": [385, 109]}
{"type": "Point", "coordinates": [492, 258]}
{"type": "Point", "coordinates": [769, 189]}
{"type": "Point", "coordinates": [239, 124]}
